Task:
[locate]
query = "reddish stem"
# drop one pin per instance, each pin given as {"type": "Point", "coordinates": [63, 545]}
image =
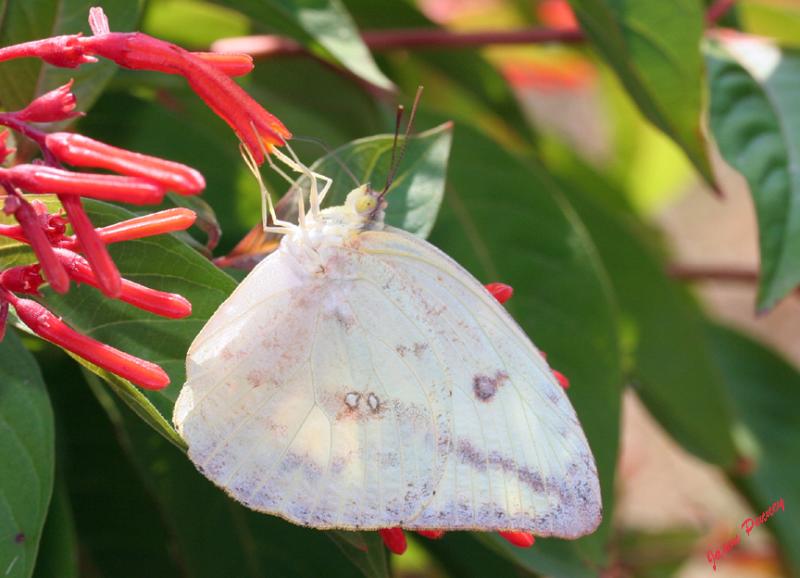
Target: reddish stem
{"type": "Point", "coordinates": [382, 40]}
{"type": "Point", "coordinates": [717, 10]}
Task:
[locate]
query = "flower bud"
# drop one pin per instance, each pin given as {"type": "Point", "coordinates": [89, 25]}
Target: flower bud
{"type": "Point", "coordinates": [22, 279]}
{"type": "Point", "coordinates": [500, 291]}
{"type": "Point", "coordinates": [431, 534]}
{"type": "Point", "coordinates": [42, 179]}
{"type": "Point", "coordinates": [394, 539]}
{"type": "Point", "coordinates": [81, 151]}
{"type": "Point", "coordinates": [47, 325]}
{"type": "Point", "coordinates": [519, 539]}
{"type": "Point", "coordinates": [53, 106]}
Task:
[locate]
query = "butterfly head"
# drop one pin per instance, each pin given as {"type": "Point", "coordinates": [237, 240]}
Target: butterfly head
{"type": "Point", "coordinates": [367, 205]}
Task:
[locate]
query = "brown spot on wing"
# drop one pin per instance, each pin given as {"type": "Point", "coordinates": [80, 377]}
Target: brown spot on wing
{"type": "Point", "coordinates": [485, 387]}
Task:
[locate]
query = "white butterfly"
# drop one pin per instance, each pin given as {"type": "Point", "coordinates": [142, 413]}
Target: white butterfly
{"type": "Point", "coordinates": [359, 378]}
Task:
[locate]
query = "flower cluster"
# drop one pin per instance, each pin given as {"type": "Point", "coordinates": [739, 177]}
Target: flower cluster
{"type": "Point", "coordinates": [395, 539]}
{"type": "Point", "coordinates": [135, 178]}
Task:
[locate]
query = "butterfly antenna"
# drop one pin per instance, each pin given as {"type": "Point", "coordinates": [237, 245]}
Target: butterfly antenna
{"type": "Point", "coordinates": [397, 155]}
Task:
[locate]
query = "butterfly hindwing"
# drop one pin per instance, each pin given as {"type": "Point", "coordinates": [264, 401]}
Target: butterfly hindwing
{"type": "Point", "coordinates": [307, 410]}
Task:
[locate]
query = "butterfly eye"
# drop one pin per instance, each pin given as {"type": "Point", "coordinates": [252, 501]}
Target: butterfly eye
{"type": "Point", "coordinates": [365, 204]}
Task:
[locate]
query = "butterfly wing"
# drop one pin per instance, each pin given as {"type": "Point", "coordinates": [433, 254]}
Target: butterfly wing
{"type": "Point", "coordinates": [297, 403]}
{"type": "Point", "coordinates": [519, 458]}
{"type": "Point", "coordinates": [394, 391]}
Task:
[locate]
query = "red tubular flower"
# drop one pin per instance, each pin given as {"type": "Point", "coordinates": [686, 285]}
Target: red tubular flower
{"type": "Point", "coordinates": [254, 126]}
{"type": "Point", "coordinates": [230, 64]}
{"type": "Point", "coordinates": [158, 302]}
{"type": "Point", "coordinates": [53, 106]}
{"type": "Point", "coordinates": [519, 539]}
{"type": "Point", "coordinates": [500, 291]}
{"type": "Point", "coordinates": [28, 220]}
{"type": "Point", "coordinates": [81, 151]}
{"type": "Point", "coordinates": [394, 539]}
{"type": "Point", "coordinates": [165, 221]}
{"type": "Point", "coordinates": [64, 51]}
{"type": "Point", "coordinates": [47, 325]}
{"type": "Point", "coordinates": [92, 246]}
{"type": "Point", "coordinates": [22, 279]}
{"type": "Point", "coordinates": [42, 179]}
{"type": "Point", "coordinates": [431, 534]}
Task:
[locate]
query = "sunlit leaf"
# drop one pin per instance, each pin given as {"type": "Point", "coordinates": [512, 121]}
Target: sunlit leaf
{"type": "Point", "coordinates": [324, 26]}
{"type": "Point", "coordinates": [654, 47]}
{"type": "Point", "coordinates": [755, 88]}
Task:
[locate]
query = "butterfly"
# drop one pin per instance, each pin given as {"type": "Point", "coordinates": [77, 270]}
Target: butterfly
{"type": "Point", "coordinates": [360, 378]}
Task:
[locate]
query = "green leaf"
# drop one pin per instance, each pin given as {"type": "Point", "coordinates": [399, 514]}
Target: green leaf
{"type": "Point", "coordinates": [27, 458]}
{"type": "Point", "coordinates": [208, 22]}
{"type": "Point", "coordinates": [58, 553]}
{"type": "Point", "coordinates": [756, 123]}
{"type": "Point", "coordinates": [22, 80]}
{"type": "Point", "coordinates": [670, 360]}
{"type": "Point", "coordinates": [323, 26]}
{"type": "Point", "coordinates": [418, 187]}
{"type": "Point", "coordinates": [765, 390]}
{"type": "Point", "coordinates": [225, 539]}
{"type": "Point", "coordinates": [121, 531]}
{"type": "Point", "coordinates": [658, 554]}
{"type": "Point", "coordinates": [464, 555]}
{"type": "Point", "coordinates": [505, 221]}
{"type": "Point", "coordinates": [654, 47]}
{"type": "Point", "coordinates": [778, 19]}
{"type": "Point", "coordinates": [365, 550]}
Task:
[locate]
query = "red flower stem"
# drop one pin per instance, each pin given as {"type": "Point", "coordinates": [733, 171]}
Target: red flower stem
{"type": "Point", "coordinates": [166, 221]}
{"type": "Point", "coordinates": [717, 10]}
{"type": "Point", "coordinates": [11, 121]}
{"type": "Point", "coordinates": [109, 280]}
{"type": "Point", "coordinates": [264, 46]}
{"type": "Point", "coordinates": [50, 327]}
{"type": "Point", "coordinates": [152, 300]}
{"type": "Point", "coordinates": [29, 222]}
{"type": "Point", "coordinates": [64, 51]}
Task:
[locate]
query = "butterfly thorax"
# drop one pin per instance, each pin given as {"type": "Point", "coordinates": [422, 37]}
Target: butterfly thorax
{"type": "Point", "coordinates": [311, 247]}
